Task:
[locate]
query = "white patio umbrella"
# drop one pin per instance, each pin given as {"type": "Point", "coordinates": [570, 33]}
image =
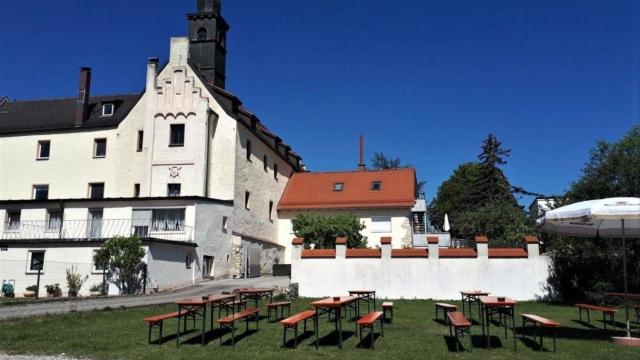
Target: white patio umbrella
{"type": "Point", "coordinates": [446, 226]}
{"type": "Point", "coordinates": [604, 218]}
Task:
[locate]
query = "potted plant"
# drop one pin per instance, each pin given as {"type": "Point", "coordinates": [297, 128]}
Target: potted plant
{"type": "Point", "coordinates": [96, 290]}
{"type": "Point", "coordinates": [53, 290]}
{"type": "Point", "coordinates": [30, 291]}
{"type": "Point", "coordinates": [74, 282]}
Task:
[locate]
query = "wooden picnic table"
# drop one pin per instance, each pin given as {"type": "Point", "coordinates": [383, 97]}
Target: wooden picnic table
{"type": "Point", "coordinates": [256, 294]}
{"type": "Point", "coordinates": [470, 297]}
{"type": "Point", "coordinates": [198, 307]}
{"type": "Point", "coordinates": [503, 306]}
{"type": "Point", "coordinates": [367, 296]}
{"type": "Point", "coordinates": [635, 297]}
{"type": "Point", "coordinates": [333, 305]}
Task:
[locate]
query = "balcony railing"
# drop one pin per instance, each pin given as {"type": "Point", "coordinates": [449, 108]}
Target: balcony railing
{"type": "Point", "coordinates": [174, 230]}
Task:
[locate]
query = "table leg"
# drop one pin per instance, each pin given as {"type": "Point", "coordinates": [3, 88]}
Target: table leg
{"type": "Point", "coordinates": [178, 328]}
{"type": "Point", "coordinates": [339, 319]}
{"type": "Point", "coordinates": [513, 326]}
{"type": "Point", "coordinates": [204, 322]}
{"type": "Point", "coordinates": [481, 319]}
{"type": "Point", "coordinates": [486, 310]}
{"type": "Point", "coordinates": [316, 327]}
{"type": "Point", "coordinates": [463, 308]}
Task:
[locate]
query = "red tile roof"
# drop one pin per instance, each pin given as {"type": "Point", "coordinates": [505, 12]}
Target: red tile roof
{"type": "Point", "coordinates": [315, 190]}
{"type": "Point", "coordinates": [319, 253]}
{"type": "Point", "coordinates": [409, 253]}
{"type": "Point", "coordinates": [363, 253]}
{"type": "Point", "coordinates": [457, 253]}
{"type": "Point", "coordinates": [508, 253]}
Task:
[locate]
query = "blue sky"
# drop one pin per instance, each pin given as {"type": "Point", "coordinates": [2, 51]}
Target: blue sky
{"type": "Point", "coordinates": [422, 80]}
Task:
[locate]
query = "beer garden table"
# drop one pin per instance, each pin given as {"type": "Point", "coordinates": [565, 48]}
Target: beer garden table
{"type": "Point", "coordinates": [199, 307]}
{"type": "Point", "coordinates": [256, 294]}
{"type": "Point", "coordinates": [470, 297]}
{"type": "Point", "coordinates": [333, 305]}
{"type": "Point", "coordinates": [502, 306]}
{"type": "Point", "coordinates": [367, 296]}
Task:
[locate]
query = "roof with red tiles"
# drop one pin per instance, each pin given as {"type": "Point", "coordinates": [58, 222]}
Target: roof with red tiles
{"type": "Point", "coordinates": [409, 253]}
{"type": "Point", "coordinates": [363, 253]}
{"type": "Point", "coordinates": [508, 253]}
{"type": "Point", "coordinates": [457, 253]}
{"type": "Point", "coordinates": [319, 253]}
{"type": "Point", "coordinates": [313, 190]}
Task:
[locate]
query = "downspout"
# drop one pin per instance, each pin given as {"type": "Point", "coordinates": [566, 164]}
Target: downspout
{"type": "Point", "coordinates": [206, 155]}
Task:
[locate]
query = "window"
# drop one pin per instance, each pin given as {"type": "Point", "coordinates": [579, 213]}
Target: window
{"type": "Point", "coordinates": [177, 135]}
{"type": "Point", "coordinates": [225, 224]}
{"type": "Point", "coordinates": [96, 268]}
{"type": "Point", "coordinates": [173, 189]}
{"type": "Point", "coordinates": [107, 109]}
{"type": "Point", "coordinates": [140, 140]}
{"type": "Point", "coordinates": [41, 192]}
{"type": "Point", "coordinates": [187, 260]}
{"type": "Point", "coordinates": [43, 149]}
{"type": "Point", "coordinates": [275, 171]}
{"type": "Point", "coordinates": [380, 224]}
{"type": "Point", "coordinates": [376, 186]}
{"type": "Point", "coordinates": [248, 150]}
{"type": "Point", "coordinates": [136, 190]}
{"type": "Point", "coordinates": [270, 210]}
{"type": "Point", "coordinates": [247, 199]}
{"type": "Point", "coordinates": [167, 219]}
{"type": "Point", "coordinates": [96, 190]}
{"type": "Point", "coordinates": [338, 186]}
{"type": "Point", "coordinates": [54, 219]}
{"type": "Point", "coordinates": [265, 162]}
{"type": "Point", "coordinates": [13, 220]}
{"type": "Point", "coordinates": [201, 34]}
{"type": "Point", "coordinates": [99, 148]}
{"type": "Point", "coordinates": [36, 260]}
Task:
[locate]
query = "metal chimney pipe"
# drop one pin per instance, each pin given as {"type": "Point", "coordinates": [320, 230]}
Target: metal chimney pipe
{"type": "Point", "coordinates": [362, 165]}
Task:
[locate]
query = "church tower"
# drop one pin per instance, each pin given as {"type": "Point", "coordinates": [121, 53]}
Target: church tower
{"type": "Point", "coordinates": [207, 41]}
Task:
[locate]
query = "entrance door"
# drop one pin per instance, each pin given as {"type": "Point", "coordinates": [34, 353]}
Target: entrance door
{"type": "Point", "coordinates": [254, 260]}
{"type": "Point", "coordinates": [95, 223]}
{"type": "Point", "coordinates": [207, 266]}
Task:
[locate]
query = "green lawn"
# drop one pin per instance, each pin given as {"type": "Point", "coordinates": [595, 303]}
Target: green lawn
{"type": "Point", "coordinates": [121, 334]}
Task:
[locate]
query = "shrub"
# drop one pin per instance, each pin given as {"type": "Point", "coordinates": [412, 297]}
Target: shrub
{"type": "Point", "coordinates": [33, 288]}
{"type": "Point", "coordinates": [74, 281]}
{"type": "Point", "coordinates": [53, 290]}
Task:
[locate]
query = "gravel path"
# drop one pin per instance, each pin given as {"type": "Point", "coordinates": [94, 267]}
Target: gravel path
{"type": "Point", "coordinates": [203, 288]}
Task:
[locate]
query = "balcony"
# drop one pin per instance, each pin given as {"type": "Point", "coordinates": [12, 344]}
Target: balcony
{"type": "Point", "coordinates": [172, 230]}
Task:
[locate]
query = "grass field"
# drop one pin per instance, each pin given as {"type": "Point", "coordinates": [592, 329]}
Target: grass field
{"type": "Point", "coordinates": [121, 334]}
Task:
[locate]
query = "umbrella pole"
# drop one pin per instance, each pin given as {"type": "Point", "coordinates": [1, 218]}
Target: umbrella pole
{"type": "Point", "coordinates": [626, 290]}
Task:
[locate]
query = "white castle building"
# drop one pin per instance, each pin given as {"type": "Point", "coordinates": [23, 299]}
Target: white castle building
{"type": "Point", "coordinates": [183, 165]}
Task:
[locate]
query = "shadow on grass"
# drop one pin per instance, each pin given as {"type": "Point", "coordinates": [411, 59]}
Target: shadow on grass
{"type": "Point", "coordinates": [291, 342]}
{"type": "Point", "coordinates": [366, 340]}
{"type": "Point", "coordinates": [477, 341]}
{"type": "Point", "coordinates": [331, 339]}
{"type": "Point", "coordinates": [238, 338]}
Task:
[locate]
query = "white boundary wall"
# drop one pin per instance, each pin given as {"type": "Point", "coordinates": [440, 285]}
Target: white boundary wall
{"type": "Point", "coordinates": [422, 278]}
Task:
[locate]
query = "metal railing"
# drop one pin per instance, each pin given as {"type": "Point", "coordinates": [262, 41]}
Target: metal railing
{"type": "Point", "coordinates": [174, 230]}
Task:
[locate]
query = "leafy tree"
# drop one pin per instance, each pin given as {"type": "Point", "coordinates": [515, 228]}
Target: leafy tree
{"type": "Point", "coordinates": [454, 196]}
{"type": "Point", "coordinates": [322, 231]}
{"type": "Point", "coordinates": [585, 268]}
{"type": "Point", "coordinates": [122, 259]}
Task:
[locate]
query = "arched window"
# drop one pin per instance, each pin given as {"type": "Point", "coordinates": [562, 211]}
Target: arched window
{"type": "Point", "coordinates": [201, 34]}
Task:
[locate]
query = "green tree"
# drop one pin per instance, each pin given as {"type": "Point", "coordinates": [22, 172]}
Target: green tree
{"type": "Point", "coordinates": [122, 257]}
{"type": "Point", "coordinates": [491, 184]}
{"type": "Point", "coordinates": [454, 196]}
{"type": "Point", "coordinates": [322, 231]}
{"type": "Point", "coordinates": [585, 268]}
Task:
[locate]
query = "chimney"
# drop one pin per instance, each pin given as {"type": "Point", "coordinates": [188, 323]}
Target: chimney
{"type": "Point", "coordinates": [361, 165]}
{"type": "Point", "coordinates": [82, 103]}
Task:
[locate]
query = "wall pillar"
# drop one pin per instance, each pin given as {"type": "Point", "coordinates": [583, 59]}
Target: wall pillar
{"type": "Point", "coordinates": [385, 246]}
{"type": "Point", "coordinates": [298, 244]}
{"type": "Point", "coordinates": [482, 244]}
{"type": "Point", "coordinates": [434, 249]}
{"type": "Point", "coordinates": [341, 248]}
{"type": "Point", "coordinates": [533, 246]}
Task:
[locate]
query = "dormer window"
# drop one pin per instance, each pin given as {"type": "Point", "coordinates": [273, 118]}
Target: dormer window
{"type": "Point", "coordinates": [338, 186]}
{"type": "Point", "coordinates": [376, 186]}
{"type": "Point", "coordinates": [201, 34]}
{"type": "Point", "coordinates": [107, 109]}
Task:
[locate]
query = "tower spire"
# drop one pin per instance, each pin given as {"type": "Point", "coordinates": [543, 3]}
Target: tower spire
{"type": "Point", "coordinates": [207, 41]}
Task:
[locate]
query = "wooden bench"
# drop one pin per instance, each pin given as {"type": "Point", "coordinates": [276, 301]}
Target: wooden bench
{"type": "Point", "coordinates": [605, 311]}
{"type": "Point", "coordinates": [446, 308]}
{"type": "Point", "coordinates": [459, 325]}
{"type": "Point", "coordinates": [278, 305]}
{"type": "Point", "coordinates": [229, 322]}
{"type": "Point", "coordinates": [542, 323]}
{"type": "Point", "coordinates": [387, 306]}
{"type": "Point", "coordinates": [158, 320]}
{"type": "Point", "coordinates": [368, 321]}
{"type": "Point", "coordinates": [292, 323]}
